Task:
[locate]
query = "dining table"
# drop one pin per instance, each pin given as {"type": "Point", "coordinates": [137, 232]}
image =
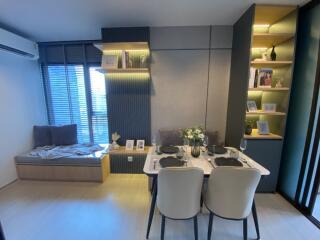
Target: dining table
{"type": "Point", "coordinates": [205, 162]}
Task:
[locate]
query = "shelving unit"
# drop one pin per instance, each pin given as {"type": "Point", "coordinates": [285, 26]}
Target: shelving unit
{"type": "Point", "coordinates": [270, 89]}
{"type": "Point", "coordinates": [266, 113]}
{"type": "Point", "coordinates": [256, 135]}
{"type": "Point", "coordinates": [268, 40]}
{"type": "Point", "coordinates": [259, 29]}
{"type": "Point", "coordinates": [135, 51]}
{"type": "Point", "coordinates": [121, 70]}
{"type": "Point", "coordinates": [273, 64]}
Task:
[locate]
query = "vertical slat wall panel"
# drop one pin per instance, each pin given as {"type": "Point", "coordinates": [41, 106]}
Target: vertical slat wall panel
{"type": "Point", "coordinates": [128, 97]}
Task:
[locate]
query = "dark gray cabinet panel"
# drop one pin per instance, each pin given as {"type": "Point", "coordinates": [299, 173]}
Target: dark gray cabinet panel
{"type": "Point", "coordinates": [119, 163]}
{"type": "Point", "coordinates": [239, 76]}
{"type": "Point", "coordinates": [267, 153]}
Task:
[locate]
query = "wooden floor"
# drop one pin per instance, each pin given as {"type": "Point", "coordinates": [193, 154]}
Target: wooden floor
{"type": "Point", "coordinates": [118, 209]}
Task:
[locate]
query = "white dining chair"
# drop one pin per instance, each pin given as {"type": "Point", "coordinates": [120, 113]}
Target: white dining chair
{"type": "Point", "coordinates": [230, 194]}
{"type": "Point", "coordinates": [179, 192]}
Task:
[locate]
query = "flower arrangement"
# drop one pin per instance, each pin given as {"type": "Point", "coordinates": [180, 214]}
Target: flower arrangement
{"type": "Point", "coordinates": [193, 134]}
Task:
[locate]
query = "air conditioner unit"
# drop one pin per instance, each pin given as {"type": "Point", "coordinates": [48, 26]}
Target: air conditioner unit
{"type": "Point", "coordinates": [16, 44]}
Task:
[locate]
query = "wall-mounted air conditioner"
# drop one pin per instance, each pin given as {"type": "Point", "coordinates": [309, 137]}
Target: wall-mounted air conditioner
{"type": "Point", "coordinates": [16, 44]}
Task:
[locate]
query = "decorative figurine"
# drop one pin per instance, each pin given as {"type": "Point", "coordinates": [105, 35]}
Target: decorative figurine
{"type": "Point", "coordinates": [273, 54]}
{"type": "Point", "coordinates": [115, 137]}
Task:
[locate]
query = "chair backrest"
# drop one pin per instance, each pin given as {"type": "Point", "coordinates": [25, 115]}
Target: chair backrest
{"type": "Point", "coordinates": [170, 137]}
{"type": "Point", "coordinates": [179, 192]}
{"type": "Point", "coordinates": [231, 191]}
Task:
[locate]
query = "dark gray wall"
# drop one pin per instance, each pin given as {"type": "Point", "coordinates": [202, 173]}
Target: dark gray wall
{"type": "Point", "coordinates": [300, 100]}
{"type": "Point", "coordinates": [181, 95]}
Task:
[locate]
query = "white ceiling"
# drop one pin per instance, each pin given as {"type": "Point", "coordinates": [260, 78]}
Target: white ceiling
{"type": "Point", "coordinates": [62, 20]}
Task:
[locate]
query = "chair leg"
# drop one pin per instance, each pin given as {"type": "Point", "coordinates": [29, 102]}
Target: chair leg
{"type": "Point", "coordinates": [255, 219]}
{"type": "Point", "coordinates": [210, 225]}
{"type": "Point", "coordinates": [163, 225]}
{"type": "Point", "coordinates": [195, 226]}
{"type": "Point", "coordinates": [245, 229]}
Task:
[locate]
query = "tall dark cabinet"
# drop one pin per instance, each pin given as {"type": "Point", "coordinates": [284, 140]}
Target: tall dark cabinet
{"type": "Point", "coordinates": [261, 28]}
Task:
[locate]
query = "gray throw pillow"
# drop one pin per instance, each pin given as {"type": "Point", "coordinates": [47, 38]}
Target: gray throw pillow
{"type": "Point", "coordinates": [42, 136]}
{"type": "Point", "coordinates": [64, 135]}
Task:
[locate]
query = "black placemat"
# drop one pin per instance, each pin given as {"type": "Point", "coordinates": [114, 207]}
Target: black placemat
{"type": "Point", "coordinates": [170, 162]}
{"type": "Point", "coordinates": [222, 161]}
{"type": "Point", "coordinates": [169, 149]}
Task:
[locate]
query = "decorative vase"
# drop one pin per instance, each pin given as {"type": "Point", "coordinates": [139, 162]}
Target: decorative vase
{"type": "Point", "coordinates": [273, 54]}
{"type": "Point", "coordinates": [195, 150]}
{"type": "Point", "coordinates": [248, 130]}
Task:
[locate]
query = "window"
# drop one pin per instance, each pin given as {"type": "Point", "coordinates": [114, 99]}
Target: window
{"type": "Point", "coordinates": [68, 101]}
{"type": "Point", "coordinates": [99, 106]}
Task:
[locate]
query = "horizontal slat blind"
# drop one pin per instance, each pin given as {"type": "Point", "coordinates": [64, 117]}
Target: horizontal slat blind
{"type": "Point", "coordinates": [99, 106]}
{"type": "Point", "coordinates": [67, 97]}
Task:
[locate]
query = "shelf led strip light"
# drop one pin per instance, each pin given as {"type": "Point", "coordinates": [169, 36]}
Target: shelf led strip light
{"type": "Point", "coordinates": [261, 28]}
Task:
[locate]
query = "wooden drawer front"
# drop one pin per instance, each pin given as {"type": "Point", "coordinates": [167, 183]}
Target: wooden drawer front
{"type": "Point", "coordinates": [119, 163]}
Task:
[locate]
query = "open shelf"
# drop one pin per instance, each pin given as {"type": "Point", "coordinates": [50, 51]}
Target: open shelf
{"type": "Point", "coordinates": [267, 40]}
{"type": "Point", "coordinates": [123, 70]}
{"type": "Point", "coordinates": [260, 112]}
{"type": "Point", "coordinates": [269, 14]}
{"type": "Point", "coordinates": [283, 89]}
{"type": "Point", "coordinates": [256, 135]}
{"type": "Point", "coordinates": [272, 64]}
{"type": "Point", "coordinates": [122, 46]}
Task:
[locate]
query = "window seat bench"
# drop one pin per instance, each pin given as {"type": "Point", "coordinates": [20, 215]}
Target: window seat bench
{"type": "Point", "coordinates": [85, 168]}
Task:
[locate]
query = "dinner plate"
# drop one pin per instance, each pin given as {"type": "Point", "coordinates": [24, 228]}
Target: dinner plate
{"type": "Point", "coordinates": [170, 162]}
{"type": "Point", "coordinates": [232, 162]}
{"type": "Point", "coordinates": [169, 149]}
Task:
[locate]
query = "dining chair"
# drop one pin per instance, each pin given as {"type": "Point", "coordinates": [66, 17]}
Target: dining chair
{"type": "Point", "coordinates": [1, 233]}
{"type": "Point", "coordinates": [179, 191]}
{"type": "Point", "coordinates": [230, 194]}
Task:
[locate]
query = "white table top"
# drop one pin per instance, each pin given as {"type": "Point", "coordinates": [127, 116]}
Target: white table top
{"type": "Point", "coordinates": [152, 166]}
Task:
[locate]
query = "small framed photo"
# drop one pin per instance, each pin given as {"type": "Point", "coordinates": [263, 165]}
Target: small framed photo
{"type": "Point", "coordinates": [109, 61]}
{"type": "Point", "coordinates": [140, 145]}
{"type": "Point", "coordinates": [263, 127]}
{"type": "Point", "coordinates": [252, 106]}
{"type": "Point", "coordinates": [269, 107]}
{"type": "Point", "coordinates": [265, 78]}
{"type": "Point", "coordinates": [129, 145]}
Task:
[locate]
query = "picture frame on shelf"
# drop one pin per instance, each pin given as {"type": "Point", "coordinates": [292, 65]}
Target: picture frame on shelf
{"type": "Point", "coordinates": [109, 62]}
{"type": "Point", "coordinates": [269, 107]}
{"type": "Point", "coordinates": [251, 106]}
{"type": "Point", "coordinates": [265, 78]}
{"type": "Point", "coordinates": [140, 145]}
{"type": "Point", "coordinates": [129, 145]}
{"type": "Point", "coordinates": [263, 127]}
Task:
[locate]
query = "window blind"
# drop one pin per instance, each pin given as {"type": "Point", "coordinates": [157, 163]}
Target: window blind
{"type": "Point", "coordinates": [67, 98]}
{"type": "Point", "coordinates": [75, 90]}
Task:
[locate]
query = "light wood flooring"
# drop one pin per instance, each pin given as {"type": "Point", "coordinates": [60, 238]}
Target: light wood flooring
{"type": "Point", "coordinates": [118, 209]}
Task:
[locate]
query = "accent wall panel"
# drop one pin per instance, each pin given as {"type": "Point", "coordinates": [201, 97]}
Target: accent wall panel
{"type": "Point", "coordinates": [218, 92]}
{"type": "Point", "coordinates": [128, 100]}
{"type": "Point", "coordinates": [179, 88]}
{"type": "Point", "coordinates": [180, 37]}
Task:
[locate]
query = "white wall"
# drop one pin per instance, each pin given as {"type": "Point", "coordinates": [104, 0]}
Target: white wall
{"type": "Point", "coordinates": [179, 71]}
{"type": "Point", "coordinates": [22, 105]}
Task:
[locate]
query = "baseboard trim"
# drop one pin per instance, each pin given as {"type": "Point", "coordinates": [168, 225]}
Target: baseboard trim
{"type": "Point", "coordinates": [302, 211]}
{"type": "Point", "coordinates": [8, 184]}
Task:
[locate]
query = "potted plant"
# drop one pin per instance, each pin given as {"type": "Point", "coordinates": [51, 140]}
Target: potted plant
{"type": "Point", "coordinates": [195, 137]}
{"type": "Point", "coordinates": [248, 127]}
